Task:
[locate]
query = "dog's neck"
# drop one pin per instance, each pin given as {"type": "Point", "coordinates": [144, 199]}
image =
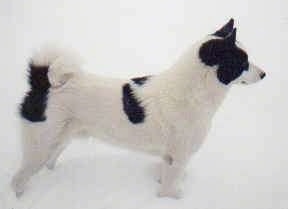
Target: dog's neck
{"type": "Point", "coordinates": [193, 81]}
{"type": "Point", "coordinates": [189, 83]}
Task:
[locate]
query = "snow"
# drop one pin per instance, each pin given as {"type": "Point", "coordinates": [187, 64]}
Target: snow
{"type": "Point", "coordinates": [243, 163]}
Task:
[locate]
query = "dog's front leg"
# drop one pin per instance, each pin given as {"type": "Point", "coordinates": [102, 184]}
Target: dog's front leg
{"type": "Point", "coordinates": [177, 156]}
{"type": "Point", "coordinates": [172, 174]}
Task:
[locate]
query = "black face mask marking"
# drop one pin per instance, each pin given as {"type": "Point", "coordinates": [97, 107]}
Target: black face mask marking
{"type": "Point", "coordinates": [140, 80]}
{"type": "Point", "coordinates": [231, 60]}
{"type": "Point", "coordinates": [35, 102]}
{"type": "Point", "coordinates": [132, 106]}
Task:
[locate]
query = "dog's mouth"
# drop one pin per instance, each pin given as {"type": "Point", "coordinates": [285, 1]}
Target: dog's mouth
{"type": "Point", "coordinates": [244, 82]}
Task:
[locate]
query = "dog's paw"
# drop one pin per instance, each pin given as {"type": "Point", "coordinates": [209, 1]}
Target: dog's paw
{"type": "Point", "coordinates": [50, 166]}
{"type": "Point", "coordinates": [19, 193]}
{"type": "Point", "coordinates": [17, 187]}
{"type": "Point", "coordinates": [171, 193]}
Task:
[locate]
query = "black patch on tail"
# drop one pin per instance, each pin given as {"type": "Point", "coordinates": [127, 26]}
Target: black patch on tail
{"type": "Point", "coordinates": [140, 80]}
{"type": "Point", "coordinates": [131, 106]}
{"type": "Point", "coordinates": [34, 104]}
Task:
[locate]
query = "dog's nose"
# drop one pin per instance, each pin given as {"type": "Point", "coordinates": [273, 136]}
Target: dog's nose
{"type": "Point", "coordinates": [262, 75]}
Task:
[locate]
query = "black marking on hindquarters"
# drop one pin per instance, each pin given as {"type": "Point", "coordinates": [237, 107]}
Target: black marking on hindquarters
{"type": "Point", "coordinates": [132, 106]}
{"type": "Point", "coordinates": [140, 80]}
{"type": "Point", "coordinates": [34, 104]}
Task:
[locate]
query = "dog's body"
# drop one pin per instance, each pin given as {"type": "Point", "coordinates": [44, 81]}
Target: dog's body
{"type": "Point", "coordinates": [167, 114]}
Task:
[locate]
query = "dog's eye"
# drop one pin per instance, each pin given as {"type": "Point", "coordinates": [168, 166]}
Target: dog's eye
{"type": "Point", "coordinates": [245, 66]}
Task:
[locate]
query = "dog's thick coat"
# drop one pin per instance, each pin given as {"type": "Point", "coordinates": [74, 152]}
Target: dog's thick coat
{"type": "Point", "coordinates": [167, 114]}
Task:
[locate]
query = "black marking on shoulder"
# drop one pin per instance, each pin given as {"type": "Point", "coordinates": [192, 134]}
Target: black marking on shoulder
{"type": "Point", "coordinates": [140, 80]}
{"type": "Point", "coordinates": [131, 106]}
{"type": "Point", "coordinates": [231, 60]}
{"type": "Point", "coordinates": [34, 104]}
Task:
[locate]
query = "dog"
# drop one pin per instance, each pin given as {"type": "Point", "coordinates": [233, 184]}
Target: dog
{"type": "Point", "coordinates": [168, 114]}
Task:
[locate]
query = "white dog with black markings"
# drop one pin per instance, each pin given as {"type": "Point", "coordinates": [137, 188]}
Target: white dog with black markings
{"type": "Point", "coordinates": [167, 114]}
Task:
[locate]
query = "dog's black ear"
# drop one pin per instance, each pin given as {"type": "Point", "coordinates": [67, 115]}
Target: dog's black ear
{"type": "Point", "coordinates": [226, 29]}
{"type": "Point", "coordinates": [231, 38]}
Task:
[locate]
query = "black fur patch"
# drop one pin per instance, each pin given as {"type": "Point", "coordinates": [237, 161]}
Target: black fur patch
{"type": "Point", "coordinates": [140, 80]}
{"type": "Point", "coordinates": [35, 102]}
{"type": "Point", "coordinates": [132, 107]}
{"type": "Point", "coordinates": [225, 30]}
{"type": "Point", "coordinates": [231, 60]}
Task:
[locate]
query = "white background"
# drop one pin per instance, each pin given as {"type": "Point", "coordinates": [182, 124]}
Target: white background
{"type": "Point", "coordinates": [244, 162]}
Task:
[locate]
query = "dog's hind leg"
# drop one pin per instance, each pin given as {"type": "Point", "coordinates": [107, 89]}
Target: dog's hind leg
{"type": "Point", "coordinates": [39, 142]}
{"type": "Point", "coordinates": [55, 155]}
{"type": "Point", "coordinates": [64, 140]}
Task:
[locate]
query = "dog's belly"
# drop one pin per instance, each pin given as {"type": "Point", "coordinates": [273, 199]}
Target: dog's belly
{"type": "Point", "coordinates": [134, 138]}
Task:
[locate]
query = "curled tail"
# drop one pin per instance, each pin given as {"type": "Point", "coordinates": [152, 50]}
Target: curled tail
{"type": "Point", "coordinates": [60, 64]}
{"type": "Point", "coordinates": [49, 67]}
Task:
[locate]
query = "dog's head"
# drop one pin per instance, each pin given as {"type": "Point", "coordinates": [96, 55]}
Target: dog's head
{"type": "Point", "coordinates": [221, 50]}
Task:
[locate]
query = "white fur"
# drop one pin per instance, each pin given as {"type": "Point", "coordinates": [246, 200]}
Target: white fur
{"type": "Point", "coordinates": [179, 105]}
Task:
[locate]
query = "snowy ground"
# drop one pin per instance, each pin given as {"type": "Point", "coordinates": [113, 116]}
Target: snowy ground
{"type": "Point", "coordinates": [242, 165]}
